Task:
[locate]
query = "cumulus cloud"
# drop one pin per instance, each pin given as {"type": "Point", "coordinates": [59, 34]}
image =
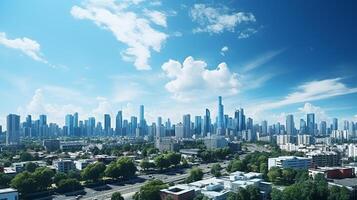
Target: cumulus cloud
{"type": "Point", "coordinates": [320, 113]}
{"type": "Point", "coordinates": [312, 91]}
{"type": "Point", "coordinates": [157, 17]}
{"type": "Point", "coordinates": [218, 19]}
{"type": "Point", "coordinates": [224, 50]}
{"type": "Point", "coordinates": [128, 27]}
{"type": "Point", "coordinates": [193, 79]}
{"type": "Point", "coordinates": [247, 33]}
{"type": "Point", "coordinates": [27, 46]}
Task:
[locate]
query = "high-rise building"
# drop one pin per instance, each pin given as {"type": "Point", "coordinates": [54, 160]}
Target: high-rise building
{"type": "Point", "coordinates": [75, 120]}
{"type": "Point", "coordinates": [335, 124]}
{"type": "Point", "coordinates": [323, 128]}
{"type": "Point", "coordinates": [107, 124]}
{"type": "Point", "coordinates": [250, 124]}
{"type": "Point", "coordinates": [346, 125]}
{"type": "Point", "coordinates": [241, 120]}
{"type": "Point", "coordinates": [159, 132]}
{"type": "Point", "coordinates": [187, 126]}
{"type": "Point", "coordinates": [264, 127]}
{"type": "Point", "coordinates": [207, 123]}
{"type": "Point", "coordinates": [70, 125]}
{"type": "Point", "coordinates": [119, 123]}
{"type": "Point", "coordinates": [13, 129]}
{"type": "Point", "coordinates": [27, 127]}
{"type": "Point", "coordinates": [91, 126]}
{"type": "Point", "coordinates": [133, 125]}
{"type": "Point", "coordinates": [311, 124]}
{"type": "Point", "coordinates": [220, 122]}
{"type": "Point", "coordinates": [303, 126]}
{"type": "Point", "coordinates": [142, 122]}
{"type": "Point", "coordinates": [290, 125]}
{"type": "Point", "coordinates": [198, 125]}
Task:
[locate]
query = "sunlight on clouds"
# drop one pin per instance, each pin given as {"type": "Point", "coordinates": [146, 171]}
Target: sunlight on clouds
{"type": "Point", "coordinates": [192, 78]}
{"type": "Point", "coordinates": [128, 27]}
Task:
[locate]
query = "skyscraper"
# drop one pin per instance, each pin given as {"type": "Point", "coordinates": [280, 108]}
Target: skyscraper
{"type": "Point", "coordinates": [159, 130]}
{"type": "Point", "coordinates": [187, 126]}
{"type": "Point", "coordinates": [303, 126]}
{"type": "Point", "coordinates": [311, 124]}
{"type": "Point", "coordinates": [220, 123]}
{"type": "Point", "coordinates": [323, 128]}
{"type": "Point", "coordinates": [142, 122]}
{"type": "Point", "coordinates": [290, 125]}
{"type": "Point", "coordinates": [13, 129]}
{"type": "Point", "coordinates": [70, 125]}
{"type": "Point", "coordinates": [207, 123]}
{"type": "Point", "coordinates": [75, 120]}
{"type": "Point", "coordinates": [264, 127]}
{"type": "Point", "coordinates": [241, 120]}
{"type": "Point", "coordinates": [335, 124]}
{"type": "Point", "coordinates": [198, 125]}
{"type": "Point", "coordinates": [107, 124]}
{"type": "Point", "coordinates": [27, 127]}
{"type": "Point", "coordinates": [133, 125]}
{"type": "Point", "coordinates": [119, 123]}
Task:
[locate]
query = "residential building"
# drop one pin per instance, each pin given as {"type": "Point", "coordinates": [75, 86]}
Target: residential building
{"type": "Point", "coordinates": [290, 162]}
{"type": "Point", "coordinates": [63, 165]}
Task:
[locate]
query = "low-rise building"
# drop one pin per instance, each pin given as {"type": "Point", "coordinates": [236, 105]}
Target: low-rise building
{"type": "Point", "coordinates": [324, 158]}
{"type": "Point", "coordinates": [215, 141]}
{"type": "Point", "coordinates": [179, 192]}
{"type": "Point", "coordinates": [63, 165]}
{"type": "Point", "coordinates": [9, 194]}
{"type": "Point", "coordinates": [333, 172]}
{"type": "Point", "coordinates": [81, 164]}
{"type": "Point", "coordinates": [51, 145]}
{"type": "Point", "coordinates": [290, 162]}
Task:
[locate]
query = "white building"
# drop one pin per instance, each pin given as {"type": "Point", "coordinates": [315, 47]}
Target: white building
{"type": "Point", "coordinates": [290, 162]}
{"type": "Point", "coordinates": [63, 165]}
{"type": "Point", "coordinates": [304, 139]}
{"type": "Point", "coordinates": [9, 194]}
{"type": "Point", "coordinates": [81, 164]}
{"type": "Point", "coordinates": [283, 139]}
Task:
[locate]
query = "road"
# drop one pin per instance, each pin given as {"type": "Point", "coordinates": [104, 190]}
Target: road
{"type": "Point", "coordinates": [129, 189]}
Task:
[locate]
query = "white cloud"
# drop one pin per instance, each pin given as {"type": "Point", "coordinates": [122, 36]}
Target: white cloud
{"type": "Point", "coordinates": [261, 60]}
{"type": "Point", "coordinates": [218, 19]}
{"type": "Point", "coordinates": [311, 91]}
{"type": "Point", "coordinates": [193, 79]}
{"type": "Point", "coordinates": [224, 50]}
{"type": "Point", "coordinates": [320, 113]}
{"type": "Point", "coordinates": [27, 46]}
{"type": "Point", "coordinates": [247, 33]}
{"type": "Point", "coordinates": [157, 17]}
{"type": "Point", "coordinates": [128, 27]}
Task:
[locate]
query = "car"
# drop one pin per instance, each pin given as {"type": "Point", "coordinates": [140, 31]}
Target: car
{"type": "Point", "coordinates": [79, 196]}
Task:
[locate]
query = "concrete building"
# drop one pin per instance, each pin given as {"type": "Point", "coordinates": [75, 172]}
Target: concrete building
{"type": "Point", "coordinates": [215, 141]}
{"type": "Point", "coordinates": [290, 162]}
{"type": "Point", "coordinates": [166, 144]}
{"type": "Point", "coordinates": [81, 164]}
{"type": "Point", "coordinates": [324, 158]}
{"type": "Point", "coordinates": [9, 194]}
{"type": "Point", "coordinates": [304, 139]}
{"type": "Point", "coordinates": [179, 192]}
{"type": "Point", "coordinates": [333, 172]}
{"type": "Point", "coordinates": [51, 145]}
{"type": "Point", "coordinates": [63, 165]}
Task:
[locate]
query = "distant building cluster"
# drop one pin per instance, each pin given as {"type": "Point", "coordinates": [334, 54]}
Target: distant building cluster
{"type": "Point", "coordinates": [238, 126]}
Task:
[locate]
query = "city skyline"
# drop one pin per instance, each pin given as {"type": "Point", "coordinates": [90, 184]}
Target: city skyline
{"type": "Point", "coordinates": [187, 58]}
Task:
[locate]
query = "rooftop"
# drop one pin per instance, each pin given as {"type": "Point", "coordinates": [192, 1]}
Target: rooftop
{"type": "Point", "coordinates": [7, 190]}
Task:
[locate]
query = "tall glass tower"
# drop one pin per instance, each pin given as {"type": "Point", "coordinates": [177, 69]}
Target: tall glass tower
{"type": "Point", "coordinates": [220, 117]}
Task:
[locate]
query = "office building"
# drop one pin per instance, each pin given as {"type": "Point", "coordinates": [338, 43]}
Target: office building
{"type": "Point", "coordinates": [107, 124]}
{"type": "Point", "coordinates": [311, 124]}
{"type": "Point", "coordinates": [13, 129]}
{"type": "Point", "coordinates": [187, 126]}
{"type": "Point", "coordinates": [290, 125]}
{"type": "Point", "coordinates": [63, 166]}
{"type": "Point", "coordinates": [220, 116]}
{"type": "Point", "coordinates": [335, 124]}
{"type": "Point", "coordinates": [206, 123]}
{"type": "Point", "coordinates": [198, 125]}
{"type": "Point", "coordinates": [290, 162]}
{"type": "Point", "coordinates": [325, 158]}
{"type": "Point", "coordinates": [119, 123]}
{"type": "Point", "coordinates": [70, 125]}
{"type": "Point", "coordinates": [9, 194]}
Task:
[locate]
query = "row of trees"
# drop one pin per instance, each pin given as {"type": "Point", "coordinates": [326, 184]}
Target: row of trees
{"type": "Point", "coordinates": [310, 190]}
{"type": "Point", "coordinates": [287, 176]}
{"type": "Point", "coordinates": [162, 161]}
{"type": "Point", "coordinates": [209, 156]}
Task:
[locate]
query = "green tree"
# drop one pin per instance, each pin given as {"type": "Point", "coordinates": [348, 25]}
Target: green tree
{"type": "Point", "coordinates": [274, 175]}
{"type": "Point", "coordinates": [24, 183]}
{"type": "Point", "coordinates": [196, 174]}
{"type": "Point", "coordinates": [43, 177]}
{"type": "Point", "coordinates": [254, 193]}
{"type": "Point", "coordinates": [276, 194]}
{"type": "Point", "coordinates": [75, 174]}
{"type": "Point", "coordinates": [150, 191]}
{"type": "Point", "coordinates": [174, 158]}
{"type": "Point", "coordinates": [117, 196]}
{"type": "Point", "coordinates": [161, 162]}
{"type": "Point", "coordinates": [127, 167]}
{"type": "Point", "coordinates": [68, 185]}
{"type": "Point", "coordinates": [113, 170]}
{"type": "Point", "coordinates": [93, 172]}
{"type": "Point", "coordinates": [288, 176]}
{"type": "Point", "coordinates": [145, 164]}
{"type": "Point", "coordinates": [25, 156]}
{"type": "Point", "coordinates": [58, 177]}
{"type": "Point", "coordinates": [216, 170]}
{"type": "Point", "coordinates": [30, 167]}
{"type": "Point", "coordinates": [235, 165]}
{"type": "Point", "coordinates": [4, 180]}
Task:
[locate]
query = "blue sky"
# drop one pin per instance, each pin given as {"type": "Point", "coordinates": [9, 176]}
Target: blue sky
{"type": "Point", "coordinates": [176, 57]}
